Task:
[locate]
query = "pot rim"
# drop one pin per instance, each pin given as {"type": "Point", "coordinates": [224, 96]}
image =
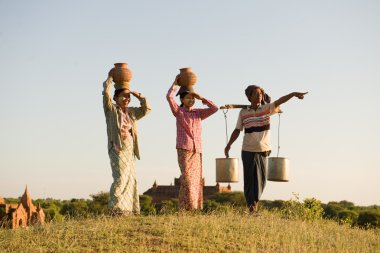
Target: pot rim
{"type": "Point", "coordinates": [186, 68]}
{"type": "Point", "coordinates": [120, 64]}
{"type": "Point", "coordinates": [275, 157]}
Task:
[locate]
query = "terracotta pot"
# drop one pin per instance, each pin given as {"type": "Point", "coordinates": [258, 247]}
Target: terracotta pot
{"type": "Point", "coordinates": [123, 85]}
{"type": "Point", "coordinates": [187, 77]}
{"type": "Point", "coordinates": [121, 75]}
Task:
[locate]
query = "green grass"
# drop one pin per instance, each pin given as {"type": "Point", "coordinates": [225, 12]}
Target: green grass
{"type": "Point", "coordinates": [231, 232]}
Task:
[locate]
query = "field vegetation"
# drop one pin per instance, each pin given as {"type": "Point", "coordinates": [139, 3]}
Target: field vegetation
{"type": "Point", "coordinates": [222, 226]}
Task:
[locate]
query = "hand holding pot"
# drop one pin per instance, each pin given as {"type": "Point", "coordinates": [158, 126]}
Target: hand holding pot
{"type": "Point", "coordinates": [197, 96]}
{"type": "Point", "coordinates": [135, 94]}
{"type": "Point", "coordinates": [110, 73]}
{"type": "Point", "coordinates": [176, 80]}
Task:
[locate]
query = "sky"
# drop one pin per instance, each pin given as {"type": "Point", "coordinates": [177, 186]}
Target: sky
{"type": "Point", "coordinates": [55, 55]}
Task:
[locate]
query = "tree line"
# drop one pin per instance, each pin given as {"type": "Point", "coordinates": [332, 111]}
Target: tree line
{"type": "Point", "coordinates": [343, 212]}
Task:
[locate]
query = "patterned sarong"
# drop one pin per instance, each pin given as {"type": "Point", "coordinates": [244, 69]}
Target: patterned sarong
{"type": "Point", "coordinates": [191, 183]}
{"type": "Point", "coordinates": [124, 197]}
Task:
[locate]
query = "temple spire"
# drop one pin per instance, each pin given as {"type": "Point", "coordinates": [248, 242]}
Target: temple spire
{"type": "Point", "coordinates": [26, 200]}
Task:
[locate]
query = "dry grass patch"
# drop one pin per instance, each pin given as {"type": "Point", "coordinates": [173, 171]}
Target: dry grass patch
{"type": "Point", "coordinates": [231, 232]}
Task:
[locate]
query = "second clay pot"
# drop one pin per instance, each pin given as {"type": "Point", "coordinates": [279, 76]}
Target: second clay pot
{"type": "Point", "coordinates": [187, 77]}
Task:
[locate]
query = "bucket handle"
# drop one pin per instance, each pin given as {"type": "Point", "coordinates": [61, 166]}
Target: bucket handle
{"type": "Point", "coordinates": [225, 110]}
{"type": "Point", "coordinates": [278, 133]}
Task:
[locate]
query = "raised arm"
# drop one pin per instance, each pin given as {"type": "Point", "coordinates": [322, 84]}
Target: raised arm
{"type": "Point", "coordinates": [285, 98]}
{"type": "Point", "coordinates": [212, 108]}
{"type": "Point", "coordinates": [144, 108]}
{"type": "Point", "coordinates": [170, 97]}
{"type": "Point", "coordinates": [107, 99]}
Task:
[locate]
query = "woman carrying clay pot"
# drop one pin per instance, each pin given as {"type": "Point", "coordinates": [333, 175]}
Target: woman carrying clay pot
{"type": "Point", "coordinates": [189, 143]}
{"type": "Point", "coordinates": [255, 120]}
{"type": "Point", "coordinates": [123, 146]}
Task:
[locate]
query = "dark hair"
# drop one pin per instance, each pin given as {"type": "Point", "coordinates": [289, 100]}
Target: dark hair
{"type": "Point", "coordinates": [183, 95]}
{"type": "Point", "coordinates": [251, 88]}
{"type": "Point", "coordinates": [118, 92]}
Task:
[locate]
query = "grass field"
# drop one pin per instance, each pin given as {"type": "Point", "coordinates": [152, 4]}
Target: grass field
{"type": "Point", "coordinates": [230, 232]}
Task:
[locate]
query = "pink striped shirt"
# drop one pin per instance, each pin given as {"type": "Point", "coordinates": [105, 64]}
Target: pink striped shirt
{"type": "Point", "coordinates": [125, 126]}
{"type": "Point", "coordinates": [189, 128]}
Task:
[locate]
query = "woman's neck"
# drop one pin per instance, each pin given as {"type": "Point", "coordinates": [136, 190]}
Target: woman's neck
{"type": "Point", "coordinates": [123, 108]}
{"type": "Point", "coordinates": [254, 106]}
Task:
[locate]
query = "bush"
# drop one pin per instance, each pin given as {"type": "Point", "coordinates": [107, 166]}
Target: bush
{"type": "Point", "coordinates": [52, 214]}
{"type": "Point", "coordinates": [99, 203]}
{"type": "Point", "coordinates": [146, 207]}
{"type": "Point", "coordinates": [369, 219]}
{"type": "Point", "coordinates": [167, 207]}
{"type": "Point", "coordinates": [75, 208]}
{"type": "Point", "coordinates": [272, 205]}
{"type": "Point", "coordinates": [232, 198]}
{"type": "Point", "coordinates": [311, 209]}
{"type": "Point", "coordinates": [46, 203]}
{"type": "Point", "coordinates": [3, 217]}
{"type": "Point", "coordinates": [2, 211]}
{"type": "Point", "coordinates": [332, 210]}
{"type": "Point", "coordinates": [348, 216]}
{"type": "Point", "coordinates": [51, 208]}
{"type": "Point", "coordinates": [211, 206]}
{"type": "Point", "coordinates": [346, 204]}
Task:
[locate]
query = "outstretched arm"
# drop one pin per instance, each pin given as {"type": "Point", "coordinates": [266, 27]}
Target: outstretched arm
{"type": "Point", "coordinates": [284, 99]}
{"type": "Point", "coordinates": [235, 134]}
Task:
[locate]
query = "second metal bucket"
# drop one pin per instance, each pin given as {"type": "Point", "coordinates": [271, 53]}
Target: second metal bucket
{"type": "Point", "coordinates": [278, 169]}
{"type": "Point", "coordinates": [227, 170]}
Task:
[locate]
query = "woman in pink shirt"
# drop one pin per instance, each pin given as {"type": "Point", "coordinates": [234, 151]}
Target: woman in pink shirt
{"type": "Point", "coordinates": [189, 144]}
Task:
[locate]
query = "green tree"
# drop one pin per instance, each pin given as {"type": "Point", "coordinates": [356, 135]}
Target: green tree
{"type": "Point", "coordinates": [52, 213]}
{"type": "Point", "coordinates": [232, 198]}
{"type": "Point", "coordinates": [75, 208]}
{"type": "Point", "coordinates": [99, 203]}
{"type": "Point", "coordinates": [146, 207]}
{"type": "Point", "coordinates": [331, 211]}
{"type": "Point", "coordinates": [12, 200]}
{"type": "Point", "coordinates": [272, 205]}
{"type": "Point", "coordinates": [211, 206]}
{"type": "Point", "coordinates": [167, 207]}
{"type": "Point", "coordinates": [311, 209]}
{"type": "Point", "coordinates": [369, 219]}
{"type": "Point", "coordinates": [348, 216]}
{"type": "Point", "coordinates": [346, 204]}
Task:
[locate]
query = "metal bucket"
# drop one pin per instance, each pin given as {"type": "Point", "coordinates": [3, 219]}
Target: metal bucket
{"type": "Point", "coordinates": [278, 169]}
{"type": "Point", "coordinates": [227, 170]}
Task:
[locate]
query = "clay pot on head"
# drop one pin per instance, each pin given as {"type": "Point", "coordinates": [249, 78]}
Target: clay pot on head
{"type": "Point", "coordinates": [187, 77]}
{"type": "Point", "coordinates": [121, 86]}
{"type": "Point", "coordinates": [121, 75]}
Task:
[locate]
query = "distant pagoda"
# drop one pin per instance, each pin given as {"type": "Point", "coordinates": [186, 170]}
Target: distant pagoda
{"type": "Point", "coordinates": [22, 214]}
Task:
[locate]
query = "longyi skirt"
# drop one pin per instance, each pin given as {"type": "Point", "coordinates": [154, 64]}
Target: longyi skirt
{"type": "Point", "coordinates": [124, 197]}
{"type": "Point", "coordinates": [191, 182]}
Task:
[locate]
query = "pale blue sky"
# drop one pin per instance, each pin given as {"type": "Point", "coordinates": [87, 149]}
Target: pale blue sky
{"type": "Point", "coordinates": [54, 57]}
